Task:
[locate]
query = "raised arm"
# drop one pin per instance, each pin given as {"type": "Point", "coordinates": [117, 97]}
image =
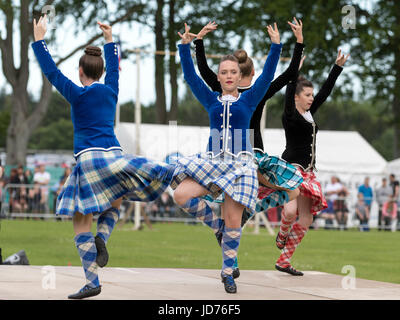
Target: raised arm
{"type": "Point", "coordinates": [196, 84]}
{"type": "Point", "coordinates": [66, 87]}
{"type": "Point", "coordinates": [290, 105]}
{"type": "Point", "coordinates": [292, 70]}
{"type": "Point", "coordinates": [328, 85]}
{"type": "Point", "coordinates": [290, 73]}
{"type": "Point", "coordinates": [260, 87]}
{"type": "Point", "coordinates": [111, 57]}
{"type": "Point", "coordinates": [206, 73]}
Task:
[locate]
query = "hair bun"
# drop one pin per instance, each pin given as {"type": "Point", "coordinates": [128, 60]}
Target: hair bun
{"type": "Point", "coordinates": [241, 55]}
{"type": "Point", "coordinates": [301, 78]}
{"type": "Point", "coordinates": [93, 51]}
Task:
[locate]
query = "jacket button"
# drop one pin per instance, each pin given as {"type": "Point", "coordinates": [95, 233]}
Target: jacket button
{"type": "Point", "coordinates": [222, 125]}
{"type": "Point", "coordinates": [221, 115]}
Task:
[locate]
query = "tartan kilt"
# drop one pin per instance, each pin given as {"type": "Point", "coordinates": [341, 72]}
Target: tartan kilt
{"type": "Point", "coordinates": [278, 171]}
{"type": "Point", "coordinates": [237, 177]}
{"type": "Point", "coordinates": [311, 188]}
{"type": "Point", "coordinates": [270, 198]}
{"type": "Point", "coordinates": [101, 177]}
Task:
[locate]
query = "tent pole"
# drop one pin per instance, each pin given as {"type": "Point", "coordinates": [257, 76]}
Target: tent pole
{"type": "Point", "coordinates": [261, 214]}
{"type": "Point", "coordinates": [138, 120]}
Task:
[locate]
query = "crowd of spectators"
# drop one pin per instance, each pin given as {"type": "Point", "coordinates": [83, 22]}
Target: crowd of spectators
{"type": "Point", "coordinates": [28, 191]}
{"type": "Point", "coordinates": [386, 197]}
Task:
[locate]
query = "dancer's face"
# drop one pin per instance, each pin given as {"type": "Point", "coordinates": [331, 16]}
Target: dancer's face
{"type": "Point", "coordinates": [305, 99]}
{"type": "Point", "coordinates": [229, 76]}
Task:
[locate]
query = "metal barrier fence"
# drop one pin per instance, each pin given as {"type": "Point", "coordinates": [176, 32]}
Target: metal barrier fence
{"type": "Point", "coordinates": [26, 200]}
{"type": "Point", "coordinates": [34, 201]}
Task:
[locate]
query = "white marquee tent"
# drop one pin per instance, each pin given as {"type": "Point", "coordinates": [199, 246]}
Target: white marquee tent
{"type": "Point", "coordinates": [394, 167]}
{"type": "Point", "coordinates": [345, 154]}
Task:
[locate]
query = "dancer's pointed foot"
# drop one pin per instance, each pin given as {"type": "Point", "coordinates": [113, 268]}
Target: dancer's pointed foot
{"type": "Point", "coordinates": [235, 273]}
{"type": "Point", "coordinates": [229, 283]}
{"type": "Point", "coordinates": [85, 292]}
{"type": "Point", "coordinates": [289, 269]}
{"type": "Point", "coordinates": [219, 233]}
{"type": "Point", "coordinates": [102, 253]}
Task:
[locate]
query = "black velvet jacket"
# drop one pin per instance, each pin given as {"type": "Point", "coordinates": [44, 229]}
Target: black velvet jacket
{"type": "Point", "coordinates": [301, 134]}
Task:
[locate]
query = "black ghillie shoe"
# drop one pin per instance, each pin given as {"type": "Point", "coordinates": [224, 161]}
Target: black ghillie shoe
{"type": "Point", "coordinates": [102, 254]}
{"type": "Point", "coordinates": [236, 273]}
{"type": "Point", "coordinates": [229, 283]}
{"type": "Point", "coordinates": [289, 270]}
{"type": "Point", "coordinates": [85, 292]}
{"type": "Point", "coordinates": [279, 242]}
{"type": "Point", "coordinates": [219, 233]}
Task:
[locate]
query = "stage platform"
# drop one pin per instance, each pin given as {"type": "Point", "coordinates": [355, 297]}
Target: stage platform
{"type": "Point", "coordinates": [56, 283]}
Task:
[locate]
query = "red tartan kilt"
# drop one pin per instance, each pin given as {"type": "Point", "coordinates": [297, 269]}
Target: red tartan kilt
{"type": "Point", "coordinates": [264, 191]}
{"type": "Point", "coordinates": [311, 188]}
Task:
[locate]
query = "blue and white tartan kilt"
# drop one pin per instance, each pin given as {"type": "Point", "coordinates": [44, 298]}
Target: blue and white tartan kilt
{"type": "Point", "coordinates": [237, 177]}
{"type": "Point", "coordinates": [101, 177]}
{"type": "Point", "coordinates": [277, 171]}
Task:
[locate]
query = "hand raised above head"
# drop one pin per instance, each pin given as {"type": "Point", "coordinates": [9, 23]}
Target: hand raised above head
{"type": "Point", "coordinates": [187, 37]}
{"type": "Point", "coordinates": [211, 26]}
{"type": "Point", "coordinates": [40, 28]}
{"type": "Point", "coordinates": [107, 31]}
{"type": "Point", "coordinates": [274, 33]}
{"type": "Point", "coordinates": [297, 28]}
{"type": "Point", "coordinates": [341, 58]}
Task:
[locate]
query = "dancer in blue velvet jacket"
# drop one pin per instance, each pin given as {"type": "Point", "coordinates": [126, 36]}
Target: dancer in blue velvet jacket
{"type": "Point", "coordinates": [229, 166]}
{"type": "Point", "coordinates": [103, 174]}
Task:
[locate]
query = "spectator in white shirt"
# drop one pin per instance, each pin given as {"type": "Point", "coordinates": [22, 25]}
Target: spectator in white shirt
{"type": "Point", "coordinates": [42, 179]}
{"type": "Point", "coordinates": [332, 190]}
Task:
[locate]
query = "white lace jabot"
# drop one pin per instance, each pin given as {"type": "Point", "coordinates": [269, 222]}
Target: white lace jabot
{"type": "Point", "coordinates": [229, 98]}
{"type": "Point", "coordinates": [308, 116]}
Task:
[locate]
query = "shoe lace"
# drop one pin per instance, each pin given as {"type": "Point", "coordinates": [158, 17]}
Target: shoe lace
{"type": "Point", "coordinates": [85, 288]}
{"type": "Point", "coordinates": [229, 280]}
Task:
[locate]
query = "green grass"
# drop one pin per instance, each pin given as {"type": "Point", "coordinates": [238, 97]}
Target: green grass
{"type": "Point", "coordinates": [374, 254]}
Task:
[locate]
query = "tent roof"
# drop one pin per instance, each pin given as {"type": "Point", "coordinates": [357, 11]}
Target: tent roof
{"type": "Point", "coordinates": [337, 151]}
{"type": "Point", "coordinates": [394, 166]}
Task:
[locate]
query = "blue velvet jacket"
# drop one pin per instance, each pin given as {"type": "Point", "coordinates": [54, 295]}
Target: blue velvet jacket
{"type": "Point", "coordinates": [92, 107]}
{"type": "Point", "coordinates": [229, 120]}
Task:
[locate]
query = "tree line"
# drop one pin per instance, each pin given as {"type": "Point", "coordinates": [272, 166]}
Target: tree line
{"type": "Point", "coordinates": [373, 39]}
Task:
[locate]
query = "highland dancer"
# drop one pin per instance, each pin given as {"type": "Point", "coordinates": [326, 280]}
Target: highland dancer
{"type": "Point", "coordinates": [300, 131]}
{"type": "Point", "coordinates": [229, 167]}
{"type": "Point", "coordinates": [273, 171]}
{"type": "Point", "coordinates": [103, 174]}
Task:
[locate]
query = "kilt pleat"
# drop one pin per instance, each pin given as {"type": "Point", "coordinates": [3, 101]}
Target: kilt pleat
{"type": "Point", "coordinates": [236, 177]}
{"type": "Point", "coordinates": [278, 171]}
{"type": "Point", "coordinates": [311, 188]}
{"type": "Point", "coordinates": [101, 177]}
